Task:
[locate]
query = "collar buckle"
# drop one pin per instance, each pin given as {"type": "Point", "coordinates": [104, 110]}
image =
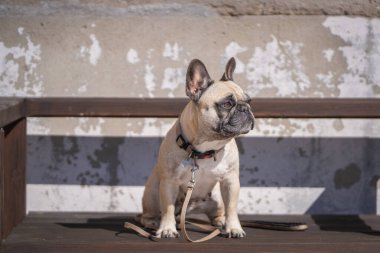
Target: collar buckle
{"type": "Point", "coordinates": [181, 142]}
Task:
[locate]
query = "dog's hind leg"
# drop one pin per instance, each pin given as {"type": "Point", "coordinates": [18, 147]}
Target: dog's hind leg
{"type": "Point", "coordinates": [215, 207]}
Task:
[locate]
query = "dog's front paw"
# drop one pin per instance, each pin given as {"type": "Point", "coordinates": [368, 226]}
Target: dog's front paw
{"type": "Point", "coordinates": [235, 233]}
{"type": "Point", "coordinates": [167, 232]}
{"type": "Point", "coordinates": [234, 229]}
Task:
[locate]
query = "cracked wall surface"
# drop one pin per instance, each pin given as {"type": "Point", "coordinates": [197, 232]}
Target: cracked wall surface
{"type": "Point", "coordinates": [142, 49]}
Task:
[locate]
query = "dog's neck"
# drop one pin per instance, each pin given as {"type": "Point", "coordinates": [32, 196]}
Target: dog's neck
{"type": "Point", "coordinates": [194, 134]}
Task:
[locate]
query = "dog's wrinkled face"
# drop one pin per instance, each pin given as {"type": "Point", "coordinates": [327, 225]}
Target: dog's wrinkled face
{"type": "Point", "coordinates": [223, 107]}
{"type": "Point", "coordinates": [234, 112]}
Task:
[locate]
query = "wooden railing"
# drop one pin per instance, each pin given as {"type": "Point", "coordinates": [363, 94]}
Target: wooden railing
{"type": "Point", "coordinates": [14, 111]}
{"type": "Point", "coordinates": [171, 108]}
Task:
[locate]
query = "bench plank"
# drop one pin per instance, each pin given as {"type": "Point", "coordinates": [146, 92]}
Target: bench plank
{"type": "Point", "coordinates": [101, 232]}
{"type": "Point", "coordinates": [172, 107]}
{"type": "Point", "coordinates": [104, 107]}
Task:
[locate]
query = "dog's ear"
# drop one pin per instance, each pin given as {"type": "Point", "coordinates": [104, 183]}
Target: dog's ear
{"type": "Point", "coordinates": [197, 80]}
{"type": "Point", "coordinates": [230, 68]}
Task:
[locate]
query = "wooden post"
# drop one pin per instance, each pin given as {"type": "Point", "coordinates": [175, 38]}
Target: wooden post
{"type": "Point", "coordinates": [378, 197]}
{"type": "Point", "coordinates": [12, 176]}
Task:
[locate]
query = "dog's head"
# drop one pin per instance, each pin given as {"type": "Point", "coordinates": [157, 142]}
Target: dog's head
{"type": "Point", "coordinates": [222, 107]}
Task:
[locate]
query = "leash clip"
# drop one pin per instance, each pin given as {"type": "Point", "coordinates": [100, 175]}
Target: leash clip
{"type": "Point", "coordinates": [193, 170]}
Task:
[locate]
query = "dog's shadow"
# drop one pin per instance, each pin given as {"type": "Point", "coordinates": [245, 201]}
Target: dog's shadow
{"type": "Point", "coordinates": [116, 225]}
{"type": "Point", "coordinates": [112, 223]}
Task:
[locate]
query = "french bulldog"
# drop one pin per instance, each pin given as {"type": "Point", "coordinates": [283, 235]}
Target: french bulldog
{"type": "Point", "coordinates": [204, 133]}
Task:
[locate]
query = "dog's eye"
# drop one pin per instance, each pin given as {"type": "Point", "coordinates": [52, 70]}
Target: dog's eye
{"type": "Point", "coordinates": [227, 105]}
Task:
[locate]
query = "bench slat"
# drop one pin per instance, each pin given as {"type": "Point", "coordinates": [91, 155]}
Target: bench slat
{"type": "Point", "coordinates": [104, 232]}
{"type": "Point", "coordinates": [171, 108]}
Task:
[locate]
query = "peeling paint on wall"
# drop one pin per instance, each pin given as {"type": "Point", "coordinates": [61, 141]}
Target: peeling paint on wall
{"type": "Point", "coordinates": [328, 54]}
{"type": "Point", "coordinates": [277, 66]}
{"type": "Point", "coordinates": [77, 198]}
{"type": "Point", "coordinates": [173, 78]}
{"type": "Point", "coordinates": [270, 200]}
{"type": "Point", "coordinates": [37, 126]}
{"type": "Point", "coordinates": [19, 75]}
{"type": "Point", "coordinates": [232, 50]}
{"type": "Point", "coordinates": [262, 200]}
{"type": "Point", "coordinates": [172, 51]}
{"type": "Point", "coordinates": [361, 53]}
{"type": "Point", "coordinates": [94, 52]}
{"type": "Point", "coordinates": [18, 68]}
{"type": "Point", "coordinates": [149, 79]}
{"type": "Point", "coordinates": [89, 126]}
{"type": "Point", "coordinates": [155, 78]}
{"type": "Point", "coordinates": [83, 88]}
{"type": "Point", "coordinates": [149, 127]}
{"type": "Point", "coordinates": [132, 56]}
{"type": "Point", "coordinates": [316, 128]}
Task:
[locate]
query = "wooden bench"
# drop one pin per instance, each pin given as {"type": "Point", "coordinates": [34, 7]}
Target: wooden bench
{"type": "Point", "coordinates": [69, 232]}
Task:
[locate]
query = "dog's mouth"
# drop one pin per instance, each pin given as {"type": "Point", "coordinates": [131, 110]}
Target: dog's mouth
{"type": "Point", "coordinates": [231, 131]}
{"type": "Point", "coordinates": [237, 125]}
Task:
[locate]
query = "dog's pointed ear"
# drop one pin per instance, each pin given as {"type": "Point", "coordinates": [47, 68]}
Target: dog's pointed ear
{"type": "Point", "coordinates": [197, 80]}
{"type": "Point", "coordinates": [230, 68]}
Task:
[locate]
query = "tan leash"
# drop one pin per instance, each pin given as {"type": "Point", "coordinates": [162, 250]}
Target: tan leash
{"type": "Point", "coordinates": [141, 231]}
{"type": "Point", "coordinates": [215, 231]}
{"type": "Point", "coordinates": [190, 188]}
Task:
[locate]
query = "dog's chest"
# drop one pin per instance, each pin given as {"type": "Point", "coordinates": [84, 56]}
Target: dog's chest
{"type": "Point", "coordinates": [207, 168]}
{"type": "Point", "coordinates": [210, 170]}
{"type": "Point", "coordinates": [208, 173]}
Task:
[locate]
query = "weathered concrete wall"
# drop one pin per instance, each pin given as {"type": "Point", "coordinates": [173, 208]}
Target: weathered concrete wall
{"type": "Point", "coordinates": [368, 8]}
{"type": "Point", "coordinates": [129, 49]}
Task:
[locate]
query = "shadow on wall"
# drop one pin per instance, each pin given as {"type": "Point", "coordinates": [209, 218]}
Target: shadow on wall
{"type": "Point", "coordinates": [347, 168]}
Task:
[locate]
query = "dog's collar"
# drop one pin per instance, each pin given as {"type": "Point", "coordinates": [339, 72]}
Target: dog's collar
{"type": "Point", "coordinates": [195, 154]}
{"type": "Point", "coordinates": [183, 144]}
